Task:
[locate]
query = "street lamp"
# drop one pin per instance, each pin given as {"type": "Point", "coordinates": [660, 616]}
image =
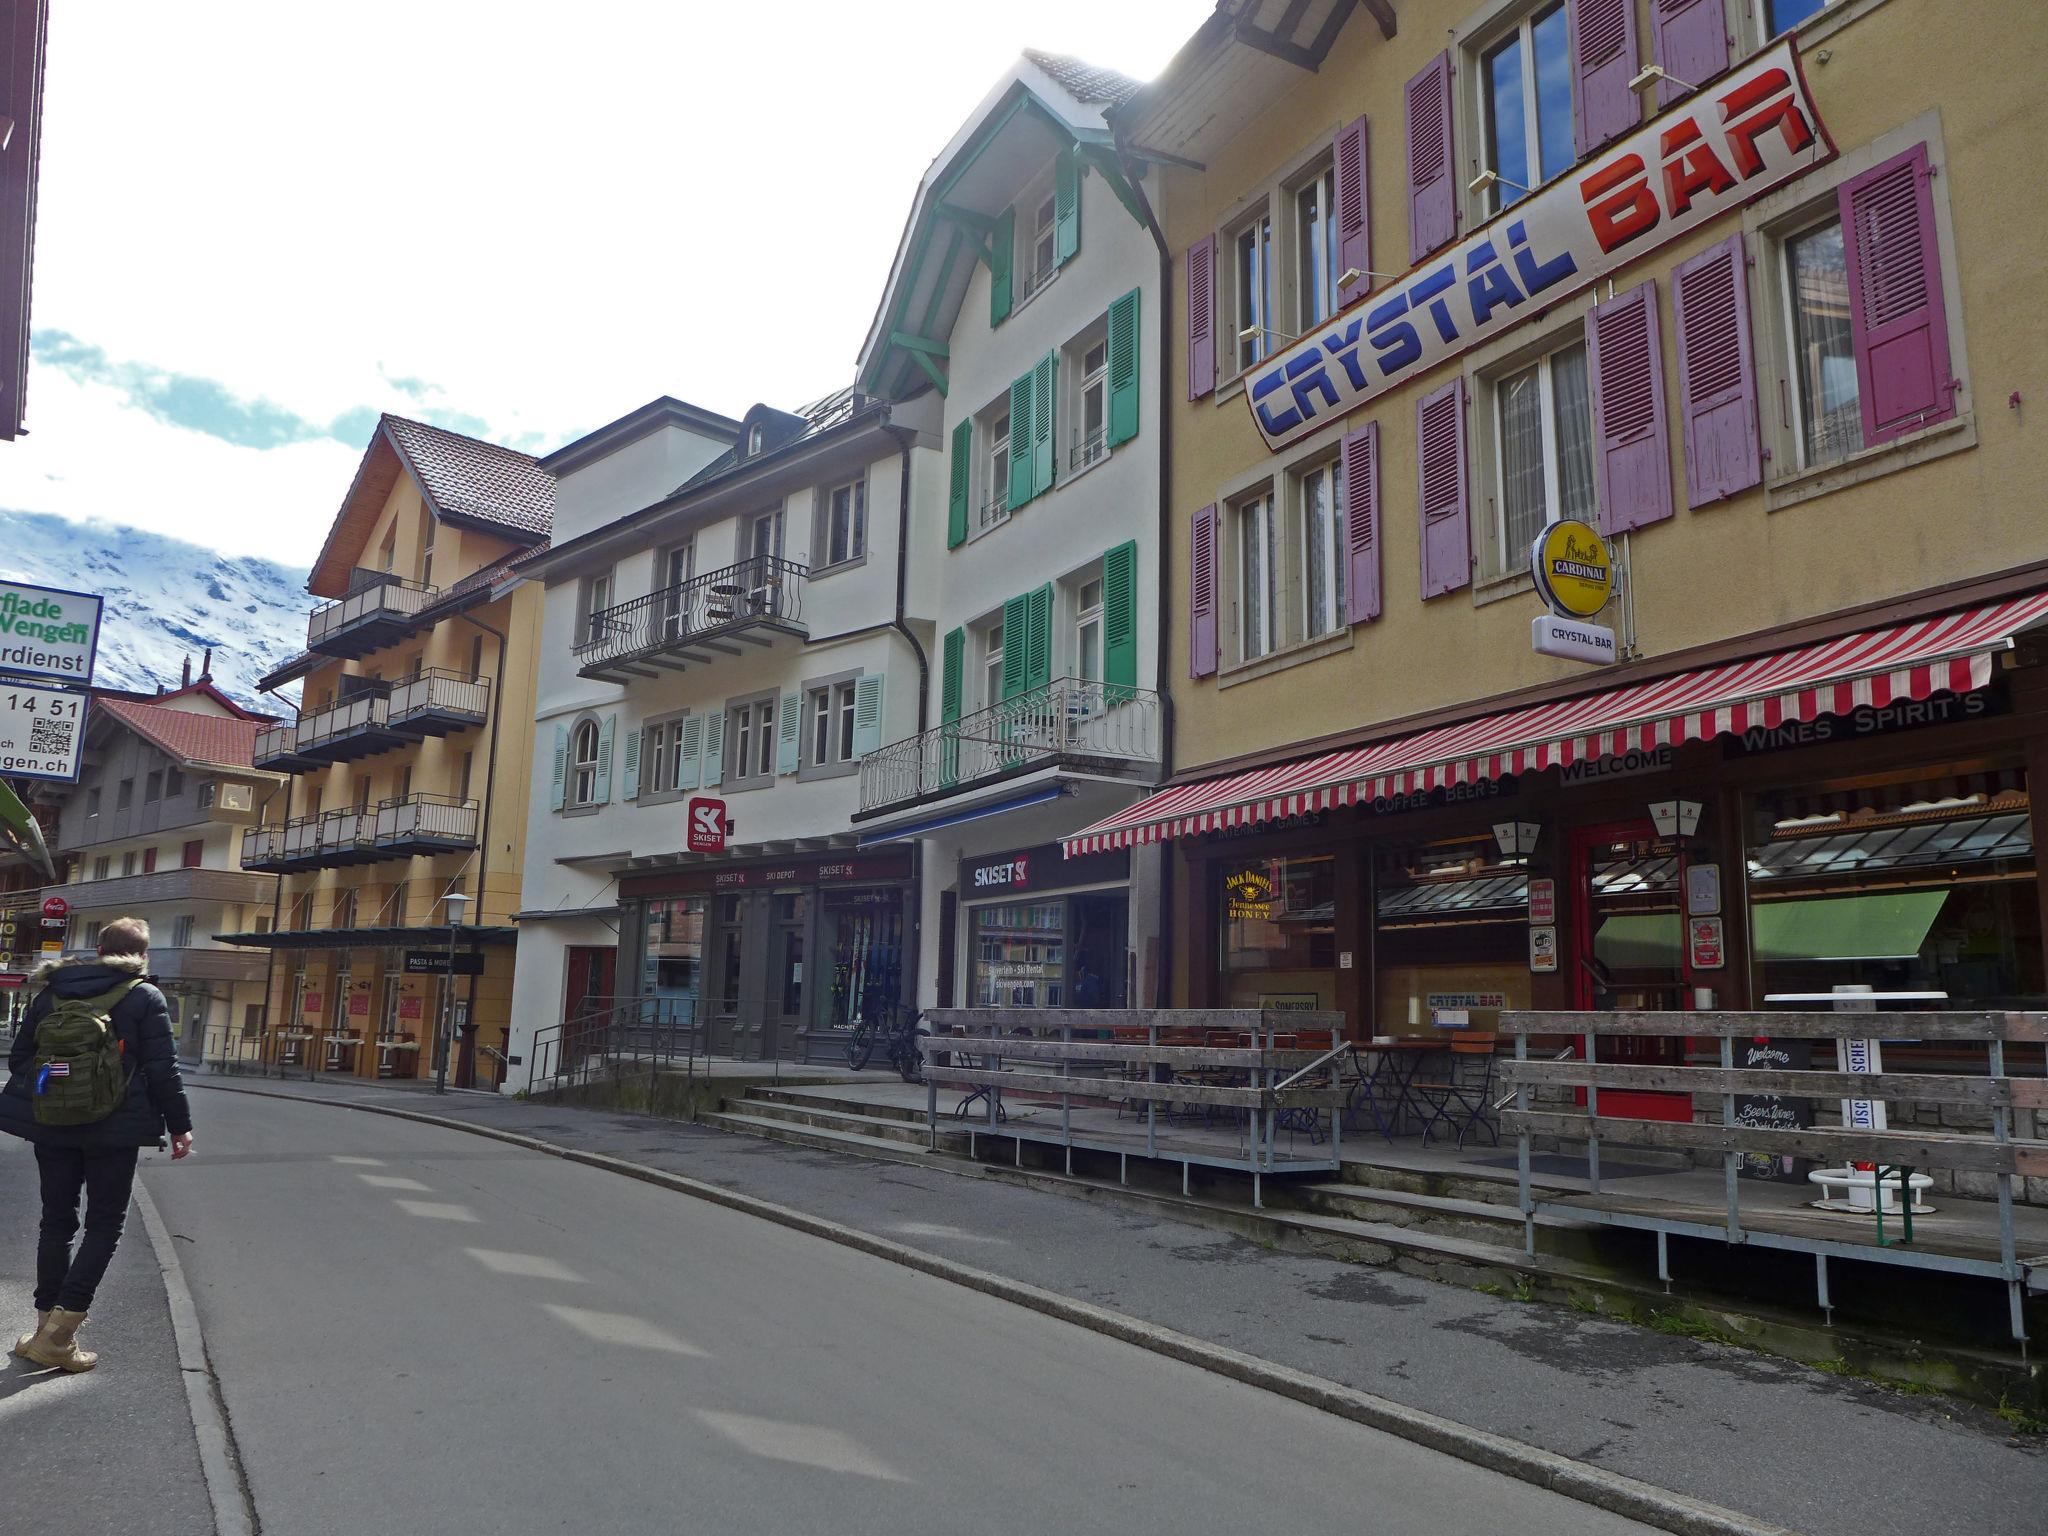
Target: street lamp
{"type": "Point", "coordinates": [1675, 818]}
{"type": "Point", "coordinates": [456, 901]}
{"type": "Point", "coordinates": [1517, 838]}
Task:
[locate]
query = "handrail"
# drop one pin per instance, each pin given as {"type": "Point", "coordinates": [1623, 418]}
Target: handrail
{"type": "Point", "coordinates": [759, 589]}
{"type": "Point", "coordinates": [1341, 1048]}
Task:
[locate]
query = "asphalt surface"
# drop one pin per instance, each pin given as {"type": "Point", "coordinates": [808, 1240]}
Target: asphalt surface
{"type": "Point", "coordinates": [415, 1329]}
{"type": "Point", "coordinates": [1772, 1439]}
{"type": "Point", "coordinates": [110, 1450]}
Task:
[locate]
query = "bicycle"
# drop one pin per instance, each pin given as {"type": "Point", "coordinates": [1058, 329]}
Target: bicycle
{"type": "Point", "coordinates": [896, 1031]}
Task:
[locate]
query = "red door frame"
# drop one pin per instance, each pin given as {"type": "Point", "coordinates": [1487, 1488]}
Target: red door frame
{"type": "Point", "coordinates": [1628, 1104]}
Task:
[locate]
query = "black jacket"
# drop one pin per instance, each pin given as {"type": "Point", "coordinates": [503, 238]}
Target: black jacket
{"type": "Point", "coordinates": [156, 1093]}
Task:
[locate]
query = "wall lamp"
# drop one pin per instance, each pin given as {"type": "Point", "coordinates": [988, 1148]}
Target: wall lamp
{"type": "Point", "coordinates": [1492, 178]}
{"type": "Point", "coordinates": [1652, 74]}
{"type": "Point", "coordinates": [1517, 838]}
{"type": "Point", "coordinates": [1352, 275]}
{"type": "Point", "coordinates": [1675, 818]}
{"type": "Point", "coordinates": [1254, 332]}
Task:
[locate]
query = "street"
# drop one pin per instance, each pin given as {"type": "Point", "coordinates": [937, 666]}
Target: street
{"type": "Point", "coordinates": [412, 1325]}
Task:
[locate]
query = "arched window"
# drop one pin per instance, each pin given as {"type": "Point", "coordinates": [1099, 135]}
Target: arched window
{"type": "Point", "coordinates": [583, 764]}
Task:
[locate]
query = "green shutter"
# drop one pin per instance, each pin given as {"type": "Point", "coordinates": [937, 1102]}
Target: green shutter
{"type": "Point", "coordinates": [1123, 369]}
{"type": "Point", "coordinates": [1016, 643]}
{"type": "Point", "coordinates": [561, 791]}
{"type": "Point", "coordinates": [1066, 206]}
{"type": "Point", "coordinates": [1021, 488]}
{"type": "Point", "coordinates": [963, 479]}
{"type": "Point", "coordinates": [632, 779]}
{"type": "Point", "coordinates": [867, 714]}
{"type": "Point", "coordinates": [1037, 637]}
{"type": "Point", "coordinates": [1120, 620]}
{"type": "Point", "coordinates": [950, 679]}
{"type": "Point", "coordinates": [603, 792]}
{"type": "Point", "coordinates": [790, 726]}
{"type": "Point", "coordinates": [1002, 241]}
{"type": "Point", "coordinates": [1045, 378]}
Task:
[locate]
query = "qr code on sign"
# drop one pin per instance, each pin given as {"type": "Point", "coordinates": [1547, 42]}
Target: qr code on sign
{"type": "Point", "coordinates": [51, 736]}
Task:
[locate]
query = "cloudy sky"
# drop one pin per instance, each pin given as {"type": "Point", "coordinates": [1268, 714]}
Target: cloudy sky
{"type": "Point", "coordinates": [261, 223]}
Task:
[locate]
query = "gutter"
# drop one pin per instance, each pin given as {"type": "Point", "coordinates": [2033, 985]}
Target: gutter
{"type": "Point", "coordinates": [483, 843]}
{"type": "Point", "coordinates": [904, 437]}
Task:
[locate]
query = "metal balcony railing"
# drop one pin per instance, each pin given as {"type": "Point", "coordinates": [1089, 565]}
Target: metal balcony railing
{"type": "Point", "coordinates": [1104, 725]}
{"type": "Point", "coordinates": [995, 510]}
{"type": "Point", "coordinates": [277, 746]}
{"type": "Point", "coordinates": [763, 590]}
{"type": "Point", "coordinates": [436, 701]}
{"type": "Point", "coordinates": [425, 822]}
{"type": "Point", "coordinates": [393, 829]}
{"type": "Point", "coordinates": [1088, 448]}
{"type": "Point", "coordinates": [365, 619]}
{"type": "Point", "coordinates": [324, 729]}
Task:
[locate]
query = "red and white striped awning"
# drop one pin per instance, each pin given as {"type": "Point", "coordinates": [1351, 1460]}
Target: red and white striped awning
{"type": "Point", "coordinates": [1952, 653]}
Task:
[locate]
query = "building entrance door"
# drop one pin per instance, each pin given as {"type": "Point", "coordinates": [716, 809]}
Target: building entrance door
{"type": "Point", "coordinates": [786, 974]}
{"type": "Point", "coordinates": [1630, 950]}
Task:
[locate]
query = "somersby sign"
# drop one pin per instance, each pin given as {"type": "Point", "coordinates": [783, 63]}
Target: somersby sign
{"type": "Point", "coordinates": [1753, 129]}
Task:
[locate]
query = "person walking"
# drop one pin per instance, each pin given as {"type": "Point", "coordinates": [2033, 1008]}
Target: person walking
{"type": "Point", "coordinates": [94, 1080]}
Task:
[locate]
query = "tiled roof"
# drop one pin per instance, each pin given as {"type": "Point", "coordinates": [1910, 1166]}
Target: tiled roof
{"type": "Point", "coordinates": [189, 737]}
{"type": "Point", "coordinates": [1086, 83]}
{"type": "Point", "coordinates": [467, 477]}
{"type": "Point", "coordinates": [477, 584]}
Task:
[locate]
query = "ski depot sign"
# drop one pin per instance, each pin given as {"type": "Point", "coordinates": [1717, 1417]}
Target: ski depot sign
{"type": "Point", "coordinates": [1753, 129]}
{"type": "Point", "coordinates": [47, 632]}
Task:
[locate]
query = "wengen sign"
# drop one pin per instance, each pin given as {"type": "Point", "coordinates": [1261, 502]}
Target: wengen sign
{"type": "Point", "coordinates": [1753, 129]}
{"type": "Point", "coordinates": [47, 632]}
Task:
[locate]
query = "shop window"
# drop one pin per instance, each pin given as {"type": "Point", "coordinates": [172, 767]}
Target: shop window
{"type": "Point", "coordinates": [1450, 920]}
{"type": "Point", "coordinates": [860, 936]}
{"type": "Point", "coordinates": [1278, 927]}
{"type": "Point", "coordinates": [675, 954]}
{"type": "Point", "coordinates": [1020, 955]}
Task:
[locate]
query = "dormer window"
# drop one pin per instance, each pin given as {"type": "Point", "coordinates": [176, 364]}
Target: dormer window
{"type": "Point", "coordinates": [757, 439]}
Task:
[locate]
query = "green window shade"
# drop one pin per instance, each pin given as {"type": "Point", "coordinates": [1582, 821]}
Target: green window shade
{"type": "Point", "coordinates": [1043, 379]}
{"type": "Point", "coordinates": [962, 470]}
{"type": "Point", "coordinates": [1889, 925]}
{"type": "Point", "coordinates": [561, 790]}
{"type": "Point", "coordinates": [949, 704]}
{"type": "Point", "coordinates": [632, 779]}
{"type": "Point", "coordinates": [1016, 627]}
{"type": "Point", "coordinates": [1066, 206]}
{"type": "Point", "coordinates": [1021, 488]}
{"type": "Point", "coordinates": [1002, 241]}
{"type": "Point", "coordinates": [1037, 638]}
{"type": "Point", "coordinates": [1123, 370]}
{"type": "Point", "coordinates": [789, 724]}
{"type": "Point", "coordinates": [714, 750]}
{"type": "Point", "coordinates": [689, 747]}
{"type": "Point", "coordinates": [604, 760]}
{"type": "Point", "coordinates": [1120, 616]}
{"type": "Point", "coordinates": [867, 715]}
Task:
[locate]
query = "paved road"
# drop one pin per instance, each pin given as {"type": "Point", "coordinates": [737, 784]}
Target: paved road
{"type": "Point", "coordinates": [411, 1325]}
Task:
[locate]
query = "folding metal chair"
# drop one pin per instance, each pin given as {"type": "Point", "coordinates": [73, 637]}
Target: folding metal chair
{"type": "Point", "coordinates": [1460, 1095]}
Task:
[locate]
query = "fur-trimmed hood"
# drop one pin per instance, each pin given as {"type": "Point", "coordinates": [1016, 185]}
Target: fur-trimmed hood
{"type": "Point", "coordinates": [121, 965]}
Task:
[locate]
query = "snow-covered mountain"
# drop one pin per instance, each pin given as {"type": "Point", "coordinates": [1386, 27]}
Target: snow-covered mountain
{"type": "Point", "coordinates": [166, 601]}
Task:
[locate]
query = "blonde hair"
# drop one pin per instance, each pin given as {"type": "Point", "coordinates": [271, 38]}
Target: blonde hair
{"type": "Point", "coordinates": [125, 936]}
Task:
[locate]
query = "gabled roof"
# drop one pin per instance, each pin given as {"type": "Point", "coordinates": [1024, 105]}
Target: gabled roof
{"type": "Point", "coordinates": [205, 689]}
{"type": "Point", "coordinates": [198, 740]}
{"type": "Point", "coordinates": [786, 429]}
{"type": "Point", "coordinates": [1085, 82]}
{"type": "Point", "coordinates": [636, 424]}
{"type": "Point", "coordinates": [464, 480]}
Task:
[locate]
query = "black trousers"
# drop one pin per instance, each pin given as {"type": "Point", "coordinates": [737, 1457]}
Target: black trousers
{"type": "Point", "coordinates": [106, 1177]}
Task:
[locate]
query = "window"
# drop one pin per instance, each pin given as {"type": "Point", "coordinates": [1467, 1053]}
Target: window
{"type": "Point", "coordinates": [662, 758]}
{"type": "Point", "coordinates": [1258, 598]}
{"type": "Point", "coordinates": [92, 802]}
{"type": "Point", "coordinates": [1543, 420]}
{"type": "Point", "coordinates": [1252, 289]}
{"type": "Point", "coordinates": [1091, 425]}
{"type": "Point", "coordinates": [750, 742]}
{"type": "Point", "coordinates": [313, 798]}
{"type": "Point", "coordinates": [995, 501]}
{"type": "Point", "coordinates": [1088, 631]}
{"type": "Point", "coordinates": [125, 796]}
{"type": "Point", "coordinates": [1315, 250]}
{"type": "Point", "coordinates": [828, 718]}
{"type": "Point", "coordinates": [343, 914]}
{"type": "Point", "coordinates": [302, 912]}
{"type": "Point", "coordinates": [1826, 394]}
{"type": "Point", "coordinates": [194, 852]}
{"type": "Point", "coordinates": [583, 764]}
{"type": "Point", "coordinates": [1319, 508]}
{"type": "Point", "coordinates": [208, 793]}
{"type": "Point", "coordinates": [362, 792]}
{"type": "Point", "coordinates": [596, 597]}
{"type": "Point", "coordinates": [181, 931]}
{"type": "Point", "coordinates": [149, 861]}
{"type": "Point", "coordinates": [1784, 15]}
{"type": "Point", "coordinates": [1043, 244]}
{"type": "Point", "coordinates": [153, 788]}
{"type": "Point", "coordinates": [388, 552]}
{"type": "Point", "coordinates": [992, 666]}
{"type": "Point", "coordinates": [405, 782]}
{"type": "Point", "coordinates": [174, 783]}
{"type": "Point", "coordinates": [1526, 106]}
{"type": "Point", "coordinates": [757, 439]}
{"type": "Point", "coordinates": [476, 660]}
{"type": "Point", "coordinates": [677, 565]}
{"type": "Point", "coordinates": [844, 538]}
{"type": "Point", "coordinates": [428, 527]}
{"type": "Point", "coordinates": [764, 535]}
{"type": "Point", "coordinates": [92, 935]}
{"type": "Point", "coordinates": [100, 867]}
{"type": "Point", "coordinates": [462, 777]}
{"type": "Point", "coordinates": [128, 862]}
{"type": "Point", "coordinates": [1277, 925]}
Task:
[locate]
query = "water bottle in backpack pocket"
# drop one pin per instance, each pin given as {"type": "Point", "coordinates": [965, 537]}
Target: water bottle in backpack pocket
{"type": "Point", "coordinates": [79, 1074]}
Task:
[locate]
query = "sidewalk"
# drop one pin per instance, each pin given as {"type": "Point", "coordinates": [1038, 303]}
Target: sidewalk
{"type": "Point", "coordinates": [1813, 1452]}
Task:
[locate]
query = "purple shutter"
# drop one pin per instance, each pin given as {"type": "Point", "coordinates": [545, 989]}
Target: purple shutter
{"type": "Point", "coordinates": [1603, 53]}
{"type": "Point", "coordinates": [1202, 593]}
{"type": "Point", "coordinates": [1432, 194]}
{"type": "Point", "coordinates": [1201, 317]}
{"type": "Point", "coordinates": [1897, 318]}
{"type": "Point", "coordinates": [1716, 373]}
{"type": "Point", "coordinates": [1440, 467]}
{"type": "Point", "coordinates": [1689, 39]}
{"type": "Point", "coordinates": [1631, 452]}
{"type": "Point", "coordinates": [1354, 212]}
{"type": "Point", "coordinates": [1360, 455]}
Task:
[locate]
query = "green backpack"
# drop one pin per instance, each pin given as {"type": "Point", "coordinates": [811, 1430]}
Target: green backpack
{"type": "Point", "coordinates": [79, 1076]}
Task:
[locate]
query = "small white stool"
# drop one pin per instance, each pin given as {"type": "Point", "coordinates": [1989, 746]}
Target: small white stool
{"type": "Point", "coordinates": [1858, 1187]}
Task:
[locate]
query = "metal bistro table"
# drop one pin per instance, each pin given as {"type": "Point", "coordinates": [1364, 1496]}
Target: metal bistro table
{"type": "Point", "coordinates": [1384, 1089]}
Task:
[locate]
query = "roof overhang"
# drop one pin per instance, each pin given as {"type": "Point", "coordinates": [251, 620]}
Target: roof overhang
{"type": "Point", "coordinates": [634, 425]}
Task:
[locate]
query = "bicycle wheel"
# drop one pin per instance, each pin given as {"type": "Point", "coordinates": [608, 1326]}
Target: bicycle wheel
{"type": "Point", "coordinates": [909, 1060]}
{"type": "Point", "coordinates": [860, 1046]}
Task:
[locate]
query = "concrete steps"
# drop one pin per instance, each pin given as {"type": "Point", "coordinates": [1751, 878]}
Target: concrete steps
{"type": "Point", "coordinates": [813, 1099]}
{"type": "Point", "coordinates": [823, 1138]}
{"type": "Point", "coordinates": [832, 1123]}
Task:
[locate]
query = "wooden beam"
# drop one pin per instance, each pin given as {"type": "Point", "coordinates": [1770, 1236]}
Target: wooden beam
{"type": "Point", "coordinates": [931, 371]}
{"type": "Point", "coordinates": [1106, 166]}
{"type": "Point", "coordinates": [1382, 11]}
{"type": "Point", "coordinates": [1798, 1026]}
{"type": "Point", "coordinates": [1899, 1087]}
{"type": "Point", "coordinates": [912, 343]}
{"type": "Point", "coordinates": [1910, 1149]}
{"type": "Point", "coordinates": [1280, 48]}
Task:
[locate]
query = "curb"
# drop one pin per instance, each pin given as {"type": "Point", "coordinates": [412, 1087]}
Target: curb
{"type": "Point", "coordinates": [1577, 1480]}
{"type": "Point", "coordinates": [219, 1462]}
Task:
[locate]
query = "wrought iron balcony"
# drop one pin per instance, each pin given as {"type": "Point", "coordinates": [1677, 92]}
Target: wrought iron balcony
{"type": "Point", "coordinates": [1103, 727]}
{"type": "Point", "coordinates": [437, 702]}
{"type": "Point", "coordinates": [377, 613]}
{"type": "Point", "coordinates": [393, 829]}
{"type": "Point", "coordinates": [754, 602]}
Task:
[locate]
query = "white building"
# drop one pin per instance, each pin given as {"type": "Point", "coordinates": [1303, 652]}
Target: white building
{"type": "Point", "coordinates": [731, 621]}
{"type": "Point", "coordinates": [1025, 300]}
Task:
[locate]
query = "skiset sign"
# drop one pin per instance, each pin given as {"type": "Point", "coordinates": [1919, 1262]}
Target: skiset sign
{"type": "Point", "coordinates": [1753, 129]}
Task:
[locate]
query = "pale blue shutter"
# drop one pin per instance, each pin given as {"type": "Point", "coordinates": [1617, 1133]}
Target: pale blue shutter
{"type": "Point", "coordinates": [603, 791]}
{"type": "Point", "coordinates": [787, 756]}
{"type": "Point", "coordinates": [714, 750]}
{"type": "Point", "coordinates": [867, 715]}
{"type": "Point", "coordinates": [560, 796]}
{"type": "Point", "coordinates": [631, 791]}
{"type": "Point", "coordinates": [688, 745]}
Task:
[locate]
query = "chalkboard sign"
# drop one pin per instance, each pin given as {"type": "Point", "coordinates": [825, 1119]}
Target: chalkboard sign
{"type": "Point", "coordinates": [1773, 1112]}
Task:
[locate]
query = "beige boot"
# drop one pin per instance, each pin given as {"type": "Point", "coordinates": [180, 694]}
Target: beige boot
{"type": "Point", "coordinates": [21, 1344]}
{"type": "Point", "coordinates": [57, 1343]}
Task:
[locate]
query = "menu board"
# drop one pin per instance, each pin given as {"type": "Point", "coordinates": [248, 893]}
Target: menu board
{"type": "Point", "coordinates": [1773, 1112]}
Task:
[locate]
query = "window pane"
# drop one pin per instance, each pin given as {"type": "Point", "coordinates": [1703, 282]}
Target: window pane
{"type": "Point", "coordinates": [1254, 289]}
{"type": "Point", "coordinates": [1573, 412]}
{"type": "Point", "coordinates": [767, 740]}
{"type": "Point", "coordinates": [1315, 540]}
{"type": "Point", "coordinates": [1783, 15]}
{"type": "Point", "coordinates": [1520, 402]}
{"type": "Point", "coordinates": [1315, 243]}
{"type": "Point", "coordinates": [846, 722]}
{"type": "Point", "coordinates": [858, 544]}
{"type": "Point", "coordinates": [1823, 358]}
{"type": "Point", "coordinates": [1506, 131]}
{"type": "Point", "coordinates": [1553, 97]}
{"type": "Point", "coordinates": [821, 725]}
{"type": "Point", "coordinates": [1088, 651]}
{"type": "Point", "coordinates": [1252, 566]}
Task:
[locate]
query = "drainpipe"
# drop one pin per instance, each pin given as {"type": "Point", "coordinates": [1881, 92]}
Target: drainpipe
{"type": "Point", "coordinates": [291, 782]}
{"type": "Point", "coordinates": [483, 833]}
{"type": "Point", "coordinates": [904, 439]}
{"type": "Point", "coordinates": [1163, 645]}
